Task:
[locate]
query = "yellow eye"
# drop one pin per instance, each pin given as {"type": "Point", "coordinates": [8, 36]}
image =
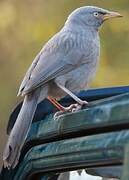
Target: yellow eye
{"type": "Point", "coordinates": [96, 14]}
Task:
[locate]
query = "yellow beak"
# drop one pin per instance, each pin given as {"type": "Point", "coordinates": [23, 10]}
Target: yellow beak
{"type": "Point", "coordinates": [111, 15]}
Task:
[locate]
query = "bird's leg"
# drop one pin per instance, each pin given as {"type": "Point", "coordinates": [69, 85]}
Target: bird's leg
{"type": "Point", "coordinates": [72, 107]}
{"type": "Point", "coordinates": [55, 103]}
{"type": "Point", "coordinates": [59, 106]}
{"type": "Point", "coordinates": [62, 109]}
{"type": "Point", "coordinates": [80, 102]}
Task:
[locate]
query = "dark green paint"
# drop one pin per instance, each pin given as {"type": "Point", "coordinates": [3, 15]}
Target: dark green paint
{"type": "Point", "coordinates": [104, 113]}
{"type": "Point", "coordinates": [81, 152]}
{"type": "Point", "coordinates": [87, 150]}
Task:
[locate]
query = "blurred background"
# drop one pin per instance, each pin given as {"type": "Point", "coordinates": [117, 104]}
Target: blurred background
{"type": "Point", "coordinates": [26, 25]}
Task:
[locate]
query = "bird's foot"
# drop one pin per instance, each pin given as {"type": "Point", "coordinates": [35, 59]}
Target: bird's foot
{"type": "Point", "coordinates": [71, 108]}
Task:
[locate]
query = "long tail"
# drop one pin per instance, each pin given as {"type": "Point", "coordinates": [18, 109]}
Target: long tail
{"type": "Point", "coordinates": [20, 130]}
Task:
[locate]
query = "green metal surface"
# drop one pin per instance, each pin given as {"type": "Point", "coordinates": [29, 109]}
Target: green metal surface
{"type": "Point", "coordinates": [93, 137]}
{"type": "Point", "coordinates": [84, 152]}
{"type": "Point", "coordinates": [125, 175]}
{"type": "Point", "coordinates": [105, 113]}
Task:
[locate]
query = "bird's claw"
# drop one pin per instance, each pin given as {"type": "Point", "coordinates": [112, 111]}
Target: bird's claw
{"type": "Point", "coordinates": [71, 108]}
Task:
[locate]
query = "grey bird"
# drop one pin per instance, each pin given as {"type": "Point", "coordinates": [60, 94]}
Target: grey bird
{"type": "Point", "coordinates": [65, 64]}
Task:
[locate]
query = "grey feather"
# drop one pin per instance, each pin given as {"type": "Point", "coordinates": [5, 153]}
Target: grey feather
{"type": "Point", "coordinates": [70, 59]}
{"type": "Point", "coordinates": [20, 130]}
{"type": "Point", "coordinates": [61, 54]}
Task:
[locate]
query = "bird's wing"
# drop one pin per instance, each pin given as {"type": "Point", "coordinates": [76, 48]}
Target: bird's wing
{"type": "Point", "coordinates": [59, 56]}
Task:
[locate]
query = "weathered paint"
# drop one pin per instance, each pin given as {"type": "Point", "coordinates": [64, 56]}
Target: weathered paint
{"type": "Point", "coordinates": [78, 150]}
{"type": "Point", "coordinates": [84, 152]}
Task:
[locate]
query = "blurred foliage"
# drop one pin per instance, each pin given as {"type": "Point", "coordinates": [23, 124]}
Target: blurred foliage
{"type": "Point", "coordinates": [26, 25]}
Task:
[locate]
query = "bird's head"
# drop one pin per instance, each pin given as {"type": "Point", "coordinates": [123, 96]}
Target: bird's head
{"type": "Point", "coordinates": [91, 16]}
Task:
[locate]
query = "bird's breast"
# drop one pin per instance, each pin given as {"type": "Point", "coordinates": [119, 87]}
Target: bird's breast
{"type": "Point", "coordinates": [79, 78]}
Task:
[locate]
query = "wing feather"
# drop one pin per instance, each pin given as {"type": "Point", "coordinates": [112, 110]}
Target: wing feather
{"type": "Point", "coordinates": [58, 57]}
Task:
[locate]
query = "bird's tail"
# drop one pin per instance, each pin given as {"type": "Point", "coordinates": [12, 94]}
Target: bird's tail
{"type": "Point", "coordinates": [20, 130]}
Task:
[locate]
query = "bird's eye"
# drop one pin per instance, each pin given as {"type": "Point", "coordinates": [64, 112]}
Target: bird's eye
{"type": "Point", "coordinates": [96, 14]}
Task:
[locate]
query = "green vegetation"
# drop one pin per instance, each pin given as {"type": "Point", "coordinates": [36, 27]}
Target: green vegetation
{"type": "Point", "coordinates": [26, 25]}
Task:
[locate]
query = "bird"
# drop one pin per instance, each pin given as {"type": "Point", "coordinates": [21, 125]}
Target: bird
{"type": "Point", "coordinates": [66, 64]}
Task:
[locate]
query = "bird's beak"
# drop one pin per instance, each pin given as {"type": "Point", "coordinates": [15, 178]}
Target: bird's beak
{"type": "Point", "coordinates": [111, 15]}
